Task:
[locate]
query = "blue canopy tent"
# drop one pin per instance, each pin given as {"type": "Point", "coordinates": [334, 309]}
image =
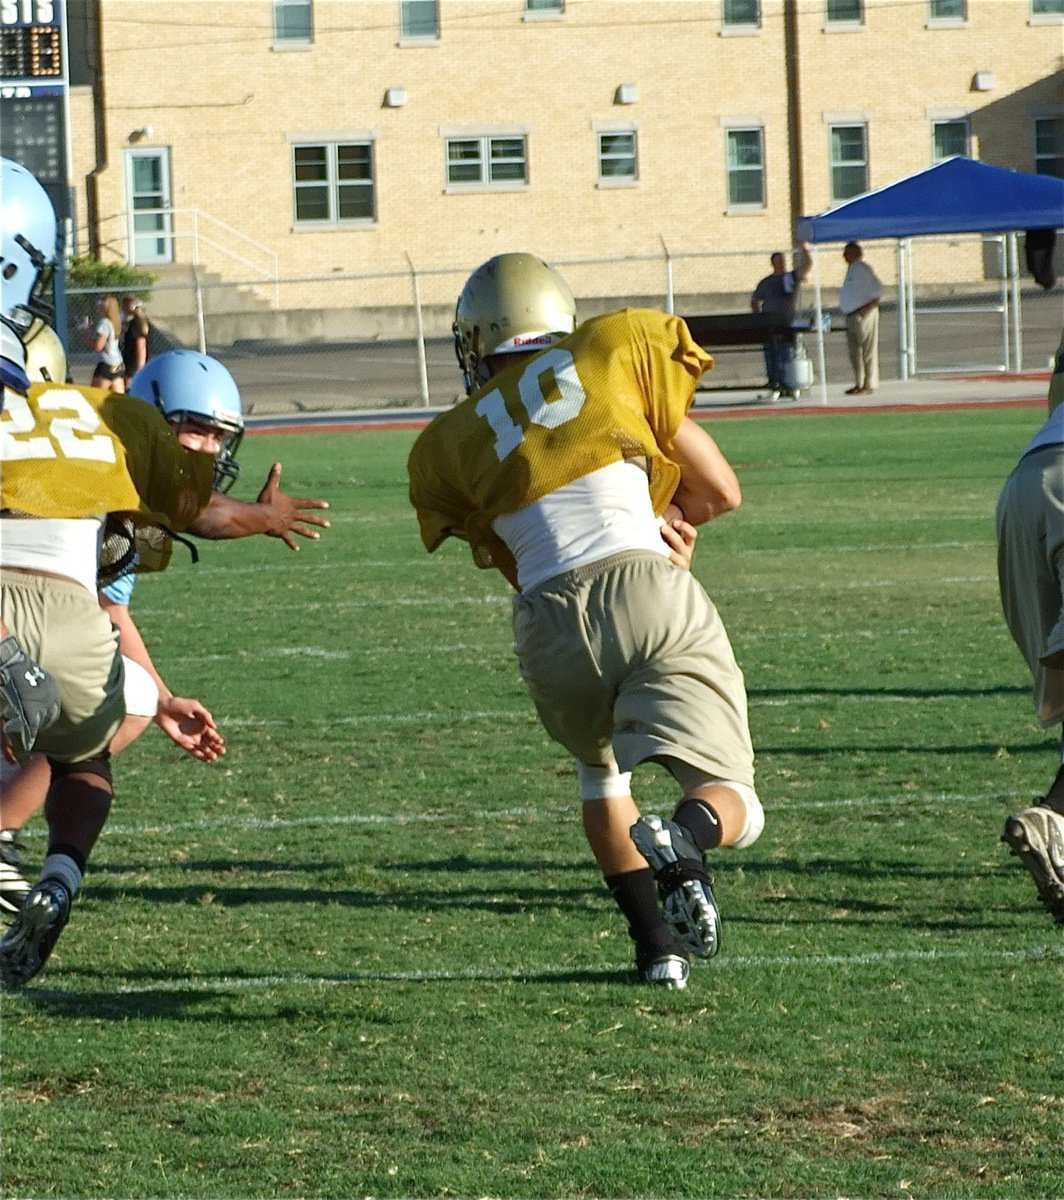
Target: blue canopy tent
{"type": "Point", "coordinates": [957, 195]}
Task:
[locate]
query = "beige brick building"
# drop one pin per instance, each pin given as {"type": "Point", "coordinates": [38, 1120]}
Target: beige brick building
{"type": "Point", "coordinates": [324, 138]}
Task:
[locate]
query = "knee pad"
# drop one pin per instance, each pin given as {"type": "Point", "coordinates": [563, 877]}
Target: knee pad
{"type": "Point", "coordinates": [99, 766]}
{"type": "Point", "coordinates": [603, 782]}
{"type": "Point", "coordinates": [140, 691]}
{"type": "Point", "coordinates": [691, 780]}
{"type": "Point", "coordinates": [755, 816]}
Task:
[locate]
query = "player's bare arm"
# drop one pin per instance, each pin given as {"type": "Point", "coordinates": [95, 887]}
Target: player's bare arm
{"type": "Point", "coordinates": [184, 720]}
{"type": "Point", "coordinates": [708, 486]}
{"type": "Point", "coordinates": [275, 514]}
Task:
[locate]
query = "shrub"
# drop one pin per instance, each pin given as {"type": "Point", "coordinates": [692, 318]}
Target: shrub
{"type": "Point", "coordinates": [117, 277]}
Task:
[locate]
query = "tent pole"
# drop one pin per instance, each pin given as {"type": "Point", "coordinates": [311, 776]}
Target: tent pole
{"type": "Point", "coordinates": [911, 304]}
{"type": "Point", "coordinates": [1017, 325]}
{"type": "Point", "coordinates": [821, 366]}
{"type": "Point", "coordinates": [903, 332]}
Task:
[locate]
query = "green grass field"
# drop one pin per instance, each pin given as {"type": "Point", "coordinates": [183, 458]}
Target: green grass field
{"type": "Point", "coordinates": [368, 953]}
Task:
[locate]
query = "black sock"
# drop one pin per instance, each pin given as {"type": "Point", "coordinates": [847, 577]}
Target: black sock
{"type": "Point", "coordinates": [701, 821]}
{"type": "Point", "coordinates": [1055, 795]}
{"type": "Point", "coordinates": [636, 895]}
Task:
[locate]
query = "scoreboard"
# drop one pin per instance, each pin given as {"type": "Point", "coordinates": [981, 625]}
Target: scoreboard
{"type": "Point", "coordinates": [34, 81]}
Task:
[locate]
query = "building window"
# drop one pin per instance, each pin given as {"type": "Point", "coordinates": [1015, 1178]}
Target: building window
{"type": "Point", "coordinates": [740, 14]}
{"type": "Point", "coordinates": [545, 6]}
{"type": "Point", "coordinates": [487, 162]}
{"type": "Point", "coordinates": [419, 20]}
{"type": "Point", "coordinates": [1047, 8]}
{"type": "Point", "coordinates": [1049, 146]}
{"type": "Point", "coordinates": [849, 161]}
{"type": "Point", "coordinates": [293, 21]}
{"type": "Point", "coordinates": [617, 157]}
{"type": "Point", "coordinates": [334, 183]}
{"type": "Point", "coordinates": [746, 168]}
{"type": "Point", "coordinates": [845, 12]}
{"type": "Point", "coordinates": [953, 11]}
{"type": "Point", "coordinates": [948, 138]}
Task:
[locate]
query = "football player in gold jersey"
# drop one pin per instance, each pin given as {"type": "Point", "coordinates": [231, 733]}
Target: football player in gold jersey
{"type": "Point", "coordinates": [1030, 530]}
{"type": "Point", "coordinates": [574, 469]}
{"type": "Point", "coordinates": [70, 457]}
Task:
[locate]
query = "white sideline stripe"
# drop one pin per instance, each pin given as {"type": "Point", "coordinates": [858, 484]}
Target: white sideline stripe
{"type": "Point", "coordinates": [428, 718]}
{"type": "Point", "coordinates": [872, 958]}
{"type": "Point", "coordinates": [730, 592]}
{"type": "Point", "coordinates": [380, 719]}
{"type": "Point", "coordinates": [447, 648]}
{"type": "Point", "coordinates": [222, 568]}
{"type": "Point", "coordinates": [201, 825]}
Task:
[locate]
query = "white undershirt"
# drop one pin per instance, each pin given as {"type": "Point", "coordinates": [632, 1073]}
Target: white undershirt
{"type": "Point", "coordinates": [593, 517]}
{"type": "Point", "coordinates": [61, 546]}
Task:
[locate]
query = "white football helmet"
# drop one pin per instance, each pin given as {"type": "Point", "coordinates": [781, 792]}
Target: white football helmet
{"type": "Point", "coordinates": [45, 355]}
{"type": "Point", "coordinates": [28, 233]}
{"type": "Point", "coordinates": [186, 385]}
{"type": "Point", "coordinates": [511, 304]}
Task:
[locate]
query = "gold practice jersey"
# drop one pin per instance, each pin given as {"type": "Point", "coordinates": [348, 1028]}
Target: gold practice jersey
{"type": "Point", "coordinates": [69, 451]}
{"type": "Point", "coordinates": [618, 388]}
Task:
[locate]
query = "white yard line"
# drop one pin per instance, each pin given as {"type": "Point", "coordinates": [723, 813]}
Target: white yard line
{"type": "Point", "coordinates": [531, 974]}
{"type": "Point", "coordinates": [231, 822]}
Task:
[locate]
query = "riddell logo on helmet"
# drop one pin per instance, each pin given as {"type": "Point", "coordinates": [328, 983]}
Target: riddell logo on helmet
{"type": "Point", "coordinates": [539, 339]}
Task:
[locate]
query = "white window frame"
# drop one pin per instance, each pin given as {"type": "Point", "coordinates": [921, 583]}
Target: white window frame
{"type": "Point", "coordinates": [936, 122]}
{"type": "Point", "coordinates": [553, 11]}
{"type": "Point", "coordinates": [1039, 120]}
{"type": "Point", "coordinates": [738, 28]}
{"type": "Point", "coordinates": [845, 24]}
{"type": "Point", "coordinates": [293, 43]}
{"type": "Point", "coordinates": [734, 125]}
{"type": "Point", "coordinates": [834, 164]}
{"type": "Point", "coordinates": [418, 39]}
{"type": "Point", "coordinates": [330, 143]}
{"type": "Point", "coordinates": [485, 140]}
{"type": "Point", "coordinates": [604, 130]}
{"type": "Point", "coordinates": [1053, 16]}
{"type": "Point", "coordinates": [949, 21]}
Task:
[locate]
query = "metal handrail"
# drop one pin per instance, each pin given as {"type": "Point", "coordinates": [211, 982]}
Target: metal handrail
{"type": "Point", "coordinates": [199, 237]}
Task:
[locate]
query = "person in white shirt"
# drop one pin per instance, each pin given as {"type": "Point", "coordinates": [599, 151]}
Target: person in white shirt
{"type": "Point", "coordinates": [859, 301]}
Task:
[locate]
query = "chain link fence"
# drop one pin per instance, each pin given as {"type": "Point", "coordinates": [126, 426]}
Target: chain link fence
{"type": "Point", "coordinates": [351, 341]}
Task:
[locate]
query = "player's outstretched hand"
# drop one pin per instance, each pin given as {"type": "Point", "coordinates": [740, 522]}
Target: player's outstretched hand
{"type": "Point", "coordinates": [290, 515]}
{"type": "Point", "coordinates": [680, 536]}
{"type": "Point", "coordinates": [189, 725]}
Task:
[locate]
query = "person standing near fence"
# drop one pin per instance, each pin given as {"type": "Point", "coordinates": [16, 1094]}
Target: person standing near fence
{"type": "Point", "coordinates": [110, 369]}
{"type": "Point", "coordinates": [135, 330]}
{"type": "Point", "coordinates": [776, 296]}
{"type": "Point", "coordinates": [859, 301]}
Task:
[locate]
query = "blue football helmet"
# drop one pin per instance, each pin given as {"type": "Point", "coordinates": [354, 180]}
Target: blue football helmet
{"type": "Point", "coordinates": [28, 233]}
{"type": "Point", "coordinates": [187, 386]}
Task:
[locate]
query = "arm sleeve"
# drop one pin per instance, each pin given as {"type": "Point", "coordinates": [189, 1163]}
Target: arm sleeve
{"type": "Point", "coordinates": [120, 590]}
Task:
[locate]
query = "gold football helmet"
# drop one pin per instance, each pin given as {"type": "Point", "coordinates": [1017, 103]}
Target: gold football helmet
{"type": "Point", "coordinates": [45, 357]}
{"type": "Point", "coordinates": [512, 304]}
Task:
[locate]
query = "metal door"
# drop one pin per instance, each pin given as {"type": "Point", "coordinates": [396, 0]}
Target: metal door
{"type": "Point", "coordinates": [150, 216]}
